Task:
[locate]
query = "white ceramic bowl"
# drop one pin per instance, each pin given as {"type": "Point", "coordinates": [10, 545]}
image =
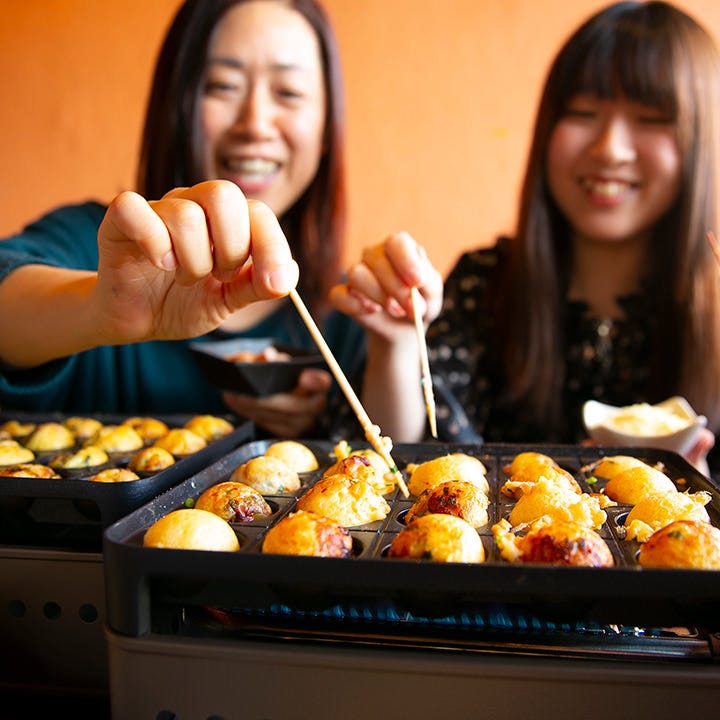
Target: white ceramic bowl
{"type": "Point", "coordinates": [669, 425]}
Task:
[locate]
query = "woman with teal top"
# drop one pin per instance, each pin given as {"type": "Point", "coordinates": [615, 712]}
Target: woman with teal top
{"type": "Point", "coordinates": [98, 304]}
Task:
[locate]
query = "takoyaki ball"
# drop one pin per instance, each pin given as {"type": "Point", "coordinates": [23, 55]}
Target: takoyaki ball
{"type": "Point", "coordinates": [116, 439]}
{"type": "Point", "coordinates": [181, 442]}
{"type": "Point", "coordinates": [191, 529]}
{"type": "Point", "coordinates": [305, 533]}
{"type": "Point", "coordinates": [234, 502]}
{"type": "Point", "coordinates": [454, 466]}
{"type": "Point", "coordinates": [13, 453]}
{"type": "Point", "coordinates": [83, 428]}
{"type": "Point", "coordinates": [529, 462]}
{"type": "Point", "coordinates": [342, 450]}
{"type": "Point", "coordinates": [347, 500]}
{"type": "Point", "coordinates": [294, 454]}
{"type": "Point", "coordinates": [683, 544]}
{"type": "Point", "coordinates": [443, 538]}
{"type": "Point", "coordinates": [360, 466]}
{"type": "Point", "coordinates": [18, 430]}
{"type": "Point", "coordinates": [28, 470]}
{"type": "Point", "coordinates": [151, 460]}
{"type": "Point", "coordinates": [268, 475]}
{"type": "Point", "coordinates": [657, 511]}
{"type": "Point", "coordinates": [560, 542]}
{"type": "Point", "coordinates": [524, 480]}
{"type": "Point", "coordinates": [462, 499]}
{"type": "Point", "coordinates": [50, 436]}
{"type": "Point", "coordinates": [209, 427]}
{"type": "Point", "coordinates": [555, 501]}
{"type": "Point", "coordinates": [114, 475]}
{"type": "Point", "coordinates": [635, 483]}
{"type": "Point", "coordinates": [149, 429]}
{"type": "Point", "coordinates": [608, 467]}
{"type": "Point", "coordinates": [85, 457]}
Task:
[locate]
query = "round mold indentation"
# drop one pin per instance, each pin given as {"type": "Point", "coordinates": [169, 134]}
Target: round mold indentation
{"type": "Point", "coordinates": [52, 611]}
{"type": "Point", "coordinates": [17, 609]}
{"type": "Point", "coordinates": [400, 515]}
{"type": "Point", "coordinates": [88, 613]}
{"type": "Point", "coordinates": [361, 543]}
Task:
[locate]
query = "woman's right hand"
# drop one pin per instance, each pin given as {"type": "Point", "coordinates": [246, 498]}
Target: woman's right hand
{"type": "Point", "coordinates": [179, 266]}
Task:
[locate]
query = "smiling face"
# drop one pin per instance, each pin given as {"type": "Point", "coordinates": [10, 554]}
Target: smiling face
{"type": "Point", "coordinates": [613, 167]}
{"type": "Point", "coordinates": [264, 105]}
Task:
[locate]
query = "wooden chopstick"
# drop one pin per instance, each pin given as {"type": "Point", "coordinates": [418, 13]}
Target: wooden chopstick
{"type": "Point", "coordinates": [426, 380]}
{"type": "Point", "coordinates": [372, 432]}
{"type": "Point", "coordinates": [713, 244]}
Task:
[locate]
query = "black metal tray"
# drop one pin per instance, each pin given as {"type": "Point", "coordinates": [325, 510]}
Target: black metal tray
{"type": "Point", "coordinates": [148, 587]}
{"type": "Point", "coordinates": [71, 513]}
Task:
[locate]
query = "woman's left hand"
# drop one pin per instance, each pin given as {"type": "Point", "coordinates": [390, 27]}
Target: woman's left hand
{"type": "Point", "coordinates": [288, 415]}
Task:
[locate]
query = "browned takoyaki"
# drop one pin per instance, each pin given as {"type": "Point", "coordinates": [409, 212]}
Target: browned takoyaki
{"type": "Point", "coordinates": [347, 500]}
{"type": "Point", "coordinates": [683, 544]}
{"type": "Point", "coordinates": [454, 466]}
{"type": "Point", "coordinates": [234, 502]}
{"type": "Point", "coordinates": [305, 533]}
{"type": "Point", "coordinates": [442, 538]}
{"type": "Point", "coordinates": [459, 498]}
{"type": "Point", "coordinates": [560, 542]}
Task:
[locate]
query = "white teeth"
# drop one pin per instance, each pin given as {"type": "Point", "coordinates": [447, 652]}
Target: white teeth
{"type": "Point", "coordinates": [607, 188]}
{"type": "Point", "coordinates": [252, 166]}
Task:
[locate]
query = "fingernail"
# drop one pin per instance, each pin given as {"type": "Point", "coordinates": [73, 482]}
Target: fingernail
{"type": "Point", "coordinates": [281, 281]}
{"type": "Point", "coordinates": [169, 261]}
{"type": "Point", "coordinates": [394, 308]}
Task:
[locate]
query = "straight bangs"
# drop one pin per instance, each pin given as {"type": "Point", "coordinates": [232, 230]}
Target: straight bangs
{"type": "Point", "coordinates": [624, 58]}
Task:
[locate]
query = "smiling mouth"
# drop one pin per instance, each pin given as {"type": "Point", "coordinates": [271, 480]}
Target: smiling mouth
{"type": "Point", "coordinates": [251, 170]}
{"type": "Point", "coordinates": [606, 188]}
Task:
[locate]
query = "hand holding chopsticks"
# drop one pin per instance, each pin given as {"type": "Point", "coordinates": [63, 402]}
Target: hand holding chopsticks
{"type": "Point", "coordinates": [378, 292]}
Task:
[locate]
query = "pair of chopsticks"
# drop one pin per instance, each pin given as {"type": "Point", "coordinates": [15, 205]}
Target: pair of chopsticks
{"type": "Point", "coordinates": [372, 432]}
{"type": "Point", "coordinates": [426, 380]}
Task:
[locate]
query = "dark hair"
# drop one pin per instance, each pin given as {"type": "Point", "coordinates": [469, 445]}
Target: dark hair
{"type": "Point", "coordinates": [653, 53]}
{"type": "Point", "coordinates": [171, 141]}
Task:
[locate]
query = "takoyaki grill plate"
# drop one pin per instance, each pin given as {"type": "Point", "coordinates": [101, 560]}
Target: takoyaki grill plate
{"type": "Point", "coordinates": [147, 586]}
{"type": "Point", "coordinates": [71, 512]}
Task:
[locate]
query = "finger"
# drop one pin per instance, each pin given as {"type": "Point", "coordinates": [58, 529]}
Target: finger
{"type": "Point", "coordinates": [228, 221]}
{"type": "Point", "coordinates": [352, 303]}
{"type": "Point", "coordinates": [411, 263]}
{"type": "Point", "coordinates": [271, 271]}
{"type": "Point", "coordinates": [129, 218]}
{"type": "Point", "coordinates": [187, 226]}
{"type": "Point", "coordinates": [398, 264]}
{"type": "Point", "coordinates": [362, 281]}
{"type": "Point", "coordinates": [313, 380]}
{"type": "Point", "coordinates": [408, 259]}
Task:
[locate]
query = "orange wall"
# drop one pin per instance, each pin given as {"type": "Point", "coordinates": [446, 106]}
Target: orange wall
{"type": "Point", "coordinates": [440, 98]}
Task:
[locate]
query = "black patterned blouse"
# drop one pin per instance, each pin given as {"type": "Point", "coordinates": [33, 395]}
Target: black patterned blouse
{"type": "Point", "coordinates": [606, 360]}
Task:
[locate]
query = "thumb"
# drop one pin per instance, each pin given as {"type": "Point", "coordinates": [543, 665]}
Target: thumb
{"type": "Point", "coordinates": [312, 380]}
